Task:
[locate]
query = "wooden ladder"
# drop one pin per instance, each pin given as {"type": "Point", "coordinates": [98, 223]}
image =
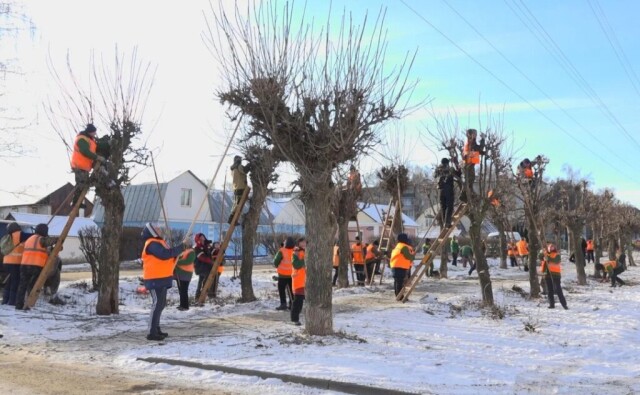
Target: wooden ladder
{"type": "Point", "coordinates": [386, 235]}
{"type": "Point", "coordinates": [428, 257]}
{"type": "Point", "coordinates": [223, 247]}
{"type": "Point", "coordinates": [51, 259]}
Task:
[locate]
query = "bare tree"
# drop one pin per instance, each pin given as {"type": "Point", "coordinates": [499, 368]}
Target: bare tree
{"type": "Point", "coordinates": [263, 161]}
{"type": "Point", "coordinates": [115, 97]}
{"type": "Point", "coordinates": [318, 98]}
{"type": "Point", "coordinates": [477, 182]}
{"type": "Point", "coordinates": [532, 195]}
{"type": "Point", "coordinates": [90, 241]}
{"type": "Point", "coordinates": [568, 200]}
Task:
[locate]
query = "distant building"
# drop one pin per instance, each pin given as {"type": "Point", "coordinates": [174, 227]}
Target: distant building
{"type": "Point", "coordinates": [58, 201]}
{"type": "Point", "coordinates": [371, 222]}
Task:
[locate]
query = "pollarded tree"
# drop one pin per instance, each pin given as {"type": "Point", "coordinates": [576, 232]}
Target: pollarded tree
{"type": "Point", "coordinates": [263, 163]}
{"type": "Point", "coordinates": [477, 181]}
{"type": "Point", "coordinates": [318, 99]}
{"type": "Point", "coordinates": [532, 194]}
{"type": "Point", "coordinates": [568, 198]}
{"type": "Point", "coordinates": [114, 99]}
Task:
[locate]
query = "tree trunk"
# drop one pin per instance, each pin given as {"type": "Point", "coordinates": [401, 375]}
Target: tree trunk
{"type": "Point", "coordinates": [317, 197]}
{"type": "Point", "coordinates": [611, 248]}
{"type": "Point", "coordinates": [345, 252]}
{"type": "Point", "coordinates": [108, 298]}
{"type": "Point", "coordinates": [577, 248]}
{"type": "Point", "coordinates": [481, 263]}
{"type": "Point", "coordinates": [444, 257]}
{"type": "Point", "coordinates": [502, 245]}
{"type": "Point", "coordinates": [250, 222]}
{"type": "Point", "coordinates": [534, 247]}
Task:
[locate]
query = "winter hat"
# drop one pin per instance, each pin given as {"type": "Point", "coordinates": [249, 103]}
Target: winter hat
{"type": "Point", "coordinates": [237, 158]}
{"type": "Point", "coordinates": [151, 229]}
{"type": "Point", "coordinates": [444, 161]}
{"type": "Point", "coordinates": [289, 242]}
{"type": "Point", "coordinates": [13, 227]}
{"type": "Point", "coordinates": [90, 128]}
{"type": "Point", "coordinates": [42, 230]}
{"type": "Point", "coordinates": [403, 238]}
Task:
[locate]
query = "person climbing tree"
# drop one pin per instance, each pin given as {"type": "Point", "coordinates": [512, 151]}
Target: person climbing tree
{"type": "Point", "coordinates": [471, 155]}
{"type": "Point", "coordinates": [445, 175]}
{"type": "Point", "coordinates": [83, 158]}
{"type": "Point", "coordinates": [239, 175]}
{"type": "Point", "coordinates": [354, 181]}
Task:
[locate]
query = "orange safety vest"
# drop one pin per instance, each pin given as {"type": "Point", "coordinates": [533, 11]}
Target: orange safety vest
{"type": "Point", "coordinates": [554, 267]}
{"type": "Point", "coordinates": [470, 157]}
{"type": "Point", "coordinates": [299, 276]}
{"type": "Point", "coordinates": [185, 253]}
{"type": "Point", "coordinates": [153, 267]}
{"type": "Point", "coordinates": [523, 248]}
{"type": "Point", "coordinates": [34, 253]}
{"type": "Point", "coordinates": [528, 172]}
{"type": "Point", "coordinates": [285, 267]}
{"type": "Point", "coordinates": [610, 265]}
{"type": "Point", "coordinates": [398, 260]}
{"type": "Point", "coordinates": [336, 256]}
{"type": "Point", "coordinates": [15, 256]}
{"type": "Point", "coordinates": [79, 161]}
{"type": "Point", "coordinates": [370, 253]}
{"type": "Point", "coordinates": [589, 245]}
{"type": "Point", "coordinates": [356, 254]}
{"type": "Point", "coordinates": [511, 251]}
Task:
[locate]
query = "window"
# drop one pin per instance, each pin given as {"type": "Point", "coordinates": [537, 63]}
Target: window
{"type": "Point", "coordinates": [185, 198]}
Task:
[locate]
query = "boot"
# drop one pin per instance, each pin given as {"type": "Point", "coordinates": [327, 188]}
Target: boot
{"type": "Point", "coordinates": [282, 307]}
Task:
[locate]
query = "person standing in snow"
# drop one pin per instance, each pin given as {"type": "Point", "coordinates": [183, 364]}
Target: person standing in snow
{"type": "Point", "coordinates": [157, 272]}
{"type": "Point", "coordinates": [455, 249]}
{"type": "Point", "coordinates": [401, 261]}
{"type": "Point", "coordinates": [283, 261]}
{"type": "Point", "coordinates": [552, 271]}
{"type": "Point", "coordinates": [466, 255]}
{"type": "Point", "coordinates": [299, 280]}
{"type": "Point", "coordinates": [183, 273]}
{"type": "Point", "coordinates": [12, 262]}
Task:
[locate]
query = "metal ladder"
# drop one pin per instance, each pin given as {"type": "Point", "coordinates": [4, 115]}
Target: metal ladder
{"type": "Point", "coordinates": [428, 257]}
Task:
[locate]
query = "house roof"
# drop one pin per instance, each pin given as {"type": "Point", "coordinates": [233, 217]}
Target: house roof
{"type": "Point", "coordinates": [140, 201]}
{"type": "Point", "coordinates": [57, 223]}
{"type": "Point", "coordinates": [375, 211]}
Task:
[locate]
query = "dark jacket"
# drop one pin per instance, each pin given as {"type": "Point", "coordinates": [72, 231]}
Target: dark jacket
{"type": "Point", "coordinates": [445, 176]}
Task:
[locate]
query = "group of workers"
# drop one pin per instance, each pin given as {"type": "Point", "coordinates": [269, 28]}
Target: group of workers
{"type": "Point", "coordinates": [292, 276]}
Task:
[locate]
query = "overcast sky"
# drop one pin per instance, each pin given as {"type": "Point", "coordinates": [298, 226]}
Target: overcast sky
{"type": "Point", "coordinates": [546, 109]}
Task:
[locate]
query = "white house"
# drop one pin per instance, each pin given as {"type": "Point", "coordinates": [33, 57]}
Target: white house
{"type": "Point", "coordinates": [71, 252]}
{"type": "Point", "coordinates": [371, 222]}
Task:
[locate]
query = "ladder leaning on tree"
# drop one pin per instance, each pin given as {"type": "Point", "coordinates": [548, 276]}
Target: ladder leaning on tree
{"type": "Point", "coordinates": [51, 259]}
{"type": "Point", "coordinates": [223, 246]}
{"type": "Point", "coordinates": [386, 235]}
{"type": "Point", "coordinates": [433, 251]}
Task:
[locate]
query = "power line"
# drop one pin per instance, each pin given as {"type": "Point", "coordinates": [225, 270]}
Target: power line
{"type": "Point", "coordinates": [525, 76]}
{"type": "Point", "coordinates": [610, 34]}
{"type": "Point", "coordinates": [581, 82]}
{"type": "Point", "coordinates": [508, 86]}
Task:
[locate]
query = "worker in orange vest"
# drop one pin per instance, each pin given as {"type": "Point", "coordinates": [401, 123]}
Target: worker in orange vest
{"type": "Point", "coordinates": [525, 169]}
{"type": "Point", "coordinates": [401, 261]}
{"type": "Point", "coordinates": [372, 260]}
{"type": "Point", "coordinates": [83, 158]}
{"type": "Point", "coordinates": [283, 261]}
{"type": "Point", "coordinates": [158, 263]}
{"type": "Point", "coordinates": [590, 248]}
{"type": "Point", "coordinates": [336, 262]}
{"type": "Point", "coordinates": [471, 155]}
{"type": "Point", "coordinates": [354, 181]}
{"type": "Point", "coordinates": [34, 257]}
{"type": "Point", "coordinates": [299, 280]}
{"type": "Point", "coordinates": [183, 273]}
{"type": "Point", "coordinates": [512, 250]}
{"type": "Point", "coordinates": [523, 252]}
{"type": "Point", "coordinates": [357, 258]}
{"type": "Point", "coordinates": [616, 267]}
{"type": "Point", "coordinates": [552, 271]}
{"type": "Point", "coordinates": [12, 261]}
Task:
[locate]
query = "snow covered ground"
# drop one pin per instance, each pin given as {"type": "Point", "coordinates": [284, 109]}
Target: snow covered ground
{"type": "Point", "coordinates": [439, 342]}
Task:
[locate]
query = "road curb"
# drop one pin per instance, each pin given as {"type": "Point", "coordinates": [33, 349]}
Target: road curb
{"type": "Point", "coordinates": [330, 385]}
